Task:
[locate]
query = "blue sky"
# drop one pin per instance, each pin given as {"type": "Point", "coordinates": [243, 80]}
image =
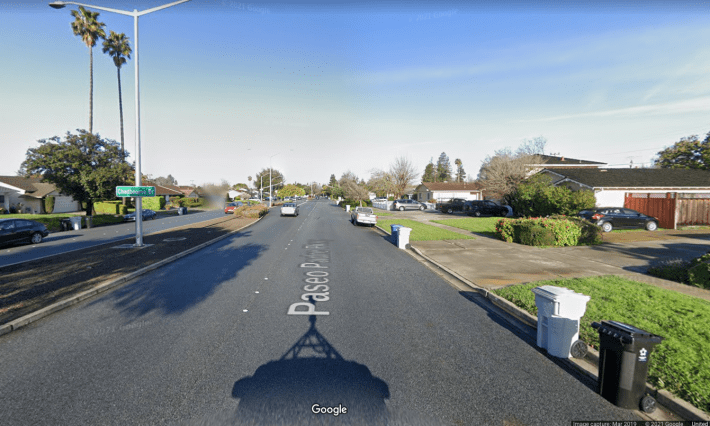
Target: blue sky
{"type": "Point", "coordinates": [322, 88]}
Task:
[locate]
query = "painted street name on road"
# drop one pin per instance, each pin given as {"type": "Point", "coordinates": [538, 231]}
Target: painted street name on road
{"type": "Point", "coordinates": [318, 255]}
{"type": "Point", "coordinates": [135, 191]}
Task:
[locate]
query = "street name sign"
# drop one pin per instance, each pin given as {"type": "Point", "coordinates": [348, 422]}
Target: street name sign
{"type": "Point", "coordinates": [135, 191]}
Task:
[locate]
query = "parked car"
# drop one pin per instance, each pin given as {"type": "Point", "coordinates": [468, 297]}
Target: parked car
{"type": "Point", "coordinates": [147, 214]}
{"type": "Point", "coordinates": [21, 231]}
{"type": "Point", "coordinates": [484, 207]}
{"type": "Point", "coordinates": [289, 209]}
{"type": "Point", "coordinates": [229, 208]}
{"type": "Point", "coordinates": [618, 217]}
{"type": "Point", "coordinates": [451, 206]}
{"type": "Point", "coordinates": [364, 216]}
{"type": "Point", "coordinates": [406, 204]}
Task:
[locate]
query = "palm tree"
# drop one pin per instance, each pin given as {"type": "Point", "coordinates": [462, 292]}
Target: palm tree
{"type": "Point", "coordinates": [90, 30]}
{"type": "Point", "coordinates": [116, 45]}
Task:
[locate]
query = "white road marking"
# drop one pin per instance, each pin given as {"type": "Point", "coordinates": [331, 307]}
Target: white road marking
{"type": "Point", "coordinates": [245, 310]}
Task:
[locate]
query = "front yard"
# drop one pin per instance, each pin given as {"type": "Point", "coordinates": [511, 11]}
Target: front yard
{"type": "Point", "coordinates": [421, 231]}
{"type": "Point", "coordinates": [479, 225]}
{"type": "Point", "coordinates": [679, 363]}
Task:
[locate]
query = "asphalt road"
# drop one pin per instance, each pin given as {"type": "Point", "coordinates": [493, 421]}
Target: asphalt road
{"type": "Point", "coordinates": [62, 242]}
{"type": "Point", "coordinates": [209, 340]}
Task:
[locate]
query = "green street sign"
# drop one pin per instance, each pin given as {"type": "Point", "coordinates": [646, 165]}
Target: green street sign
{"type": "Point", "coordinates": [135, 191]}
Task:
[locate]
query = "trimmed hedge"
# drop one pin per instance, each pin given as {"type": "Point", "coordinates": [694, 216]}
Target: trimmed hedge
{"type": "Point", "coordinates": [49, 204]}
{"type": "Point", "coordinates": [354, 203]}
{"type": "Point", "coordinates": [153, 203]}
{"type": "Point", "coordinates": [539, 231]}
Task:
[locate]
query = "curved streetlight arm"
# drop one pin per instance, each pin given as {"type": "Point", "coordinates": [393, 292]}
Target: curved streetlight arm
{"type": "Point", "coordinates": [61, 4]}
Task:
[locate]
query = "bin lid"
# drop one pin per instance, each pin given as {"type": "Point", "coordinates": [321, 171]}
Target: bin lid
{"type": "Point", "coordinates": [625, 330]}
{"type": "Point", "coordinates": [556, 294]}
{"type": "Point", "coordinates": [396, 226]}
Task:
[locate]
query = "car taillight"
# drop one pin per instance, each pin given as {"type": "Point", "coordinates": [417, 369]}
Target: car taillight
{"type": "Point", "coordinates": [597, 216]}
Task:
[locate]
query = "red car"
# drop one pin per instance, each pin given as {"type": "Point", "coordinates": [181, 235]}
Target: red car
{"type": "Point", "coordinates": [229, 208]}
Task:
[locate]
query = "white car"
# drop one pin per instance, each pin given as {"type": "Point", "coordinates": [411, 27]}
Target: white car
{"type": "Point", "coordinates": [289, 209]}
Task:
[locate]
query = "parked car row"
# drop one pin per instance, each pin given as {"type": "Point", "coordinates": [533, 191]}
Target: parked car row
{"type": "Point", "coordinates": [21, 230]}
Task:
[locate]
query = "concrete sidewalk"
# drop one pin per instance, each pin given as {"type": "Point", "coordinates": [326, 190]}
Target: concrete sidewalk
{"type": "Point", "coordinates": [491, 263]}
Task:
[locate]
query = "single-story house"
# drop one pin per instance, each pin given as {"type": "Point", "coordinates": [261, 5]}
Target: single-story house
{"type": "Point", "coordinates": [444, 191]}
{"type": "Point", "coordinates": [675, 196]}
{"type": "Point", "coordinates": [28, 194]}
{"type": "Point", "coordinates": [187, 191]}
{"type": "Point", "coordinates": [242, 194]}
{"type": "Point", "coordinates": [166, 191]}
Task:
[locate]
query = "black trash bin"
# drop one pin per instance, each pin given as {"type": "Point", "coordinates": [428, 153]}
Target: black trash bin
{"type": "Point", "coordinates": [65, 224]}
{"type": "Point", "coordinates": [623, 364]}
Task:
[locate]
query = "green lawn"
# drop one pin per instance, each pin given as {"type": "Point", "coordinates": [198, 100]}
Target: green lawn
{"type": "Point", "coordinates": [379, 212]}
{"type": "Point", "coordinates": [680, 363]}
{"type": "Point", "coordinates": [481, 225]}
{"type": "Point", "coordinates": [420, 231]}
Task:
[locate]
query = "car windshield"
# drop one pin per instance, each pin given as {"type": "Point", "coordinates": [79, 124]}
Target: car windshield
{"type": "Point", "coordinates": [364, 210]}
{"type": "Point", "coordinates": [289, 205]}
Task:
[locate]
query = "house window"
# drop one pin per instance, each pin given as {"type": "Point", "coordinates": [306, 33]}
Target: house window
{"type": "Point", "coordinates": [2, 199]}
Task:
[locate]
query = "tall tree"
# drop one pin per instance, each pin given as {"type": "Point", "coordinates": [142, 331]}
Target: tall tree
{"type": "Point", "coordinates": [90, 30]}
{"type": "Point", "coordinates": [170, 180]}
{"type": "Point", "coordinates": [688, 153]}
{"type": "Point", "coordinates": [403, 175]}
{"type": "Point", "coordinates": [333, 181]}
{"type": "Point", "coordinates": [460, 172]}
{"type": "Point", "coordinates": [534, 146]}
{"type": "Point", "coordinates": [84, 166]}
{"type": "Point", "coordinates": [352, 188]}
{"type": "Point", "coordinates": [502, 172]}
{"type": "Point", "coordinates": [443, 168]}
{"type": "Point", "coordinates": [429, 172]}
{"type": "Point", "coordinates": [116, 45]}
{"type": "Point", "coordinates": [261, 179]}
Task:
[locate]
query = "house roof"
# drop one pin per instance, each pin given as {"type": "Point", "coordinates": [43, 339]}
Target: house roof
{"type": "Point", "coordinates": [635, 178]}
{"type": "Point", "coordinates": [32, 186]}
{"type": "Point", "coordinates": [161, 190]}
{"type": "Point", "coordinates": [554, 161]}
{"type": "Point", "coordinates": [452, 186]}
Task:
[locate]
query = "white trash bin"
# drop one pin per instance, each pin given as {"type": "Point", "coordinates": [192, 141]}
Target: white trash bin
{"type": "Point", "coordinates": [559, 311]}
{"type": "Point", "coordinates": [347, 208]}
{"type": "Point", "coordinates": [75, 222]}
{"type": "Point", "coordinates": [403, 238]}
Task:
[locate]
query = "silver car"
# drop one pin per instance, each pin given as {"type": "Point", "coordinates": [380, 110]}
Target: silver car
{"type": "Point", "coordinates": [405, 204]}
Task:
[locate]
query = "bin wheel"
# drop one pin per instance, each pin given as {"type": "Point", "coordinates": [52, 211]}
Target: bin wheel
{"type": "Point", "coordinates": [648, 404]}
{"type": "Point", "coordinates": [579, 349]}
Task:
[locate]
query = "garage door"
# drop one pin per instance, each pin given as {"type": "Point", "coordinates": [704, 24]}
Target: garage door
{"type": "Point", "coordinates": [64, 204]}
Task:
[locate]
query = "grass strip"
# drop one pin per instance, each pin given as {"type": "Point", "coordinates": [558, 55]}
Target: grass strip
{"type": "Point", "coordinates": [479, 225]}
{"type": "Point", "coordinates": [421, 231]}
{"type": "Point", "coordinates": [680, 363]}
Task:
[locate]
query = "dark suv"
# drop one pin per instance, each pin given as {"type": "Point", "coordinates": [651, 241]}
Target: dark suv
{"type": "Point", "coordinates": [454, 205]}
{"type": "Point", "coordinates": [403, 205]}
{"type": "Point", "coordinates": [484, 207]}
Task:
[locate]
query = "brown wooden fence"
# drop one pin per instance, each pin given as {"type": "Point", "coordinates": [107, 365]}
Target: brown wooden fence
{"type": "Point", "coordinates": [661, 205]}
{"type": "Point", "coordinates": [693, 211]}
{"type": "Point", "coordinates": [672, 209]}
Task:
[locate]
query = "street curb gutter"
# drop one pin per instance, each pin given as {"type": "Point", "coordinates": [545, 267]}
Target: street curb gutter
{"type": "Point", "coordinates": [104, 286]}
{"type": "Point", "coordinates": [681, 408]}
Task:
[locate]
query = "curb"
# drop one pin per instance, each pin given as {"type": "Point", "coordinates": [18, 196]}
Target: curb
{"type": "Point", "coordinates": [678, 406]}
{"type": "Point", "coordinates": [104, 286]}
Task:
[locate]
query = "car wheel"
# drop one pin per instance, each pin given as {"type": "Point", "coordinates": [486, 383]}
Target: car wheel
{"type": "Point", "coordinates": [651, 226]}
{"type": "Point", "coordinates": [401, 209]}
{"type": "Point", "coordinates": [477, 213]}
{"type": "Point", "coordinates": [422, 208]}
{"type": "Point", "coordinates": [504, 213]}
{"type": "Point", "coordinates": [450, 211]}
{"type": "Point", "coordinates": [607, 227]}
{"type": "Point", "coordinates": [36, 238]}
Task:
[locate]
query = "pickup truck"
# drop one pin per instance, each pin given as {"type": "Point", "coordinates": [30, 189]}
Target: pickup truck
{"type": "Point", "coordinates": [454, 205]}
{"type": "Point", "coordinates": [289, 209]}
{"type": "Point", "coordinates": [363, 215]}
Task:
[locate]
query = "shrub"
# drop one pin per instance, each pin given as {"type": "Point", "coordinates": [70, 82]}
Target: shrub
{"type": "Point", "coordinates": [153, 203]}
{"type": "Point", "coordinates": [563, 231]}
{"type": "Point", "coordinates": [699, 275]}
{"type": "Point", "coordinates": [532, 234]}
{"type": "Point", "coordinates": [254, 211]}
{"type": "Point", "coordinates": [122, 210]}
{"type": "Point", "coordinates": [355, 203]}
{"type": "Point", "coordinates": [590, 233]}
{"type": "Point", "coordinates": [671, 269]}
{"type": "Point", "coordinates": [49, 204]}
{"type": "Point", "coordinates": [537, 196]}
{"type": "Point", "coordinates": [107, 207]}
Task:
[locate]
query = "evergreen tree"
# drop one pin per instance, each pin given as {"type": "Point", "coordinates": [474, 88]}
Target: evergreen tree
{"type": "Point", "coordinates": [429, 174]}
{"type": "Point", "coordinates": [443, 168]}
{"type": "Point", "coordinates": [460, 172]}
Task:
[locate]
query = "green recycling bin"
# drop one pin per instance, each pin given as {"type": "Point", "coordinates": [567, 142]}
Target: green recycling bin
{"type": "Point", "coordinates": [623, 364]}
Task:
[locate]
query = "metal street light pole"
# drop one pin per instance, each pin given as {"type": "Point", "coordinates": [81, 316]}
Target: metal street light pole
{"type": "Point", "coordinates": [271, 196]}
{"type": "Point", "coordinates": [135, 14]}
